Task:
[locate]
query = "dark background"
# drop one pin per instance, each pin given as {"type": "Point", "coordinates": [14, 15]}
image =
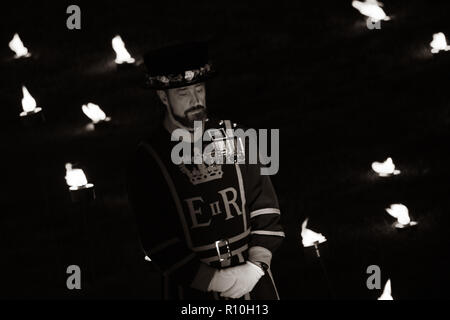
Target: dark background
{"type": "Point", "coordinates": [341, 95]}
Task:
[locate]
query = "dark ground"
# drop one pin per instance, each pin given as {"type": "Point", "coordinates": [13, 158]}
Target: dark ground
{"type": "Point", "coordinates": [341, 95]}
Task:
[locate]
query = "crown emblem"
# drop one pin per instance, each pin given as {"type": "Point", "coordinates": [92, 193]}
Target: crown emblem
{"type": "Point", "coordinates": [202, 173]}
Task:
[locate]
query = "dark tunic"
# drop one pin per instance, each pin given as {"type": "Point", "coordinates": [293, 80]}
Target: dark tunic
{"type": "Point", "coordinates": [182, 210]}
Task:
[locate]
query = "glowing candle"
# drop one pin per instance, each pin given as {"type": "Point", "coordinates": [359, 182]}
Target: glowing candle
{"type": "Point", "coordinates": [309, 237]}
{"type": "Point", "coordinates": [439, 43]}
{"type": "Point", "coordinates": [401, 213]}
{"type": "Point", "coordinates": [386, 168]}
{"type": "Point", "coordinates": [371, 9]}
{"type": "Point", "coordinates": [76, 178]}
{"type": "Point", "coordinates": [19, 49]}
{"type": "Point", "coordinates": [386, 295]}
{"type": "Point", "coordinates": [94, 112]}
{"type": "Point", "coordinates": [29, 105]}
{"type": "Point", "coordinates": [122, 55]}
{"type": "Point", "coordinates": [80, 189]}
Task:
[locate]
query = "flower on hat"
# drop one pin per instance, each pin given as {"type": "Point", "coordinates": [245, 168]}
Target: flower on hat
{"type": "Point", "coordinates": [163, 79]}
{"type": "Point", "coordinates": [189, 75]}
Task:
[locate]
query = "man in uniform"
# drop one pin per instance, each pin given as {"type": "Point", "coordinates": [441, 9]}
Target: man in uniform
{"type": "Point", "coordinates": [210, 229]}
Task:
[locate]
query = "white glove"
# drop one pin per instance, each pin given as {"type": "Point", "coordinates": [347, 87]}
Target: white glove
{"type": "Point", "coordinates": [246, 277]}
{"type": "Point", "coordinates": [221, 281]}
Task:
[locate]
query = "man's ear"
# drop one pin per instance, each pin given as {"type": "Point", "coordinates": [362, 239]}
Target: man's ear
{"type": "Point", "coordinates": [163, 97]}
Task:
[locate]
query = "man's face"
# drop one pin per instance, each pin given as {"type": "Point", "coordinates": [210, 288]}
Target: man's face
{"type": "Point", "coordinates": [187, 104]}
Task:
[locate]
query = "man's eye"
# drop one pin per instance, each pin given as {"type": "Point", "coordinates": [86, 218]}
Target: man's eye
{"type": "Point", "coordinates": [199, 89]}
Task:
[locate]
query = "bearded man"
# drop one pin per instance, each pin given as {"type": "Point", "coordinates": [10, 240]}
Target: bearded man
{"type": "Point", "coordinates": [210, 229]}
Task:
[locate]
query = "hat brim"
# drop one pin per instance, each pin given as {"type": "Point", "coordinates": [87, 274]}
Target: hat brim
{"type": "Point", "coordinates": [172, 84]}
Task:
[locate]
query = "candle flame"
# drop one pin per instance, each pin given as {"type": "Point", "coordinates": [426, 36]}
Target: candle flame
{"type": "Point", "coordinates": [401, 213]}
{"type": "Point", "coordinates": [94, 112]}
{"type": "Point", "coordinates": [439, 43]}
{"type": "Point", "coordinates": [386, 295]}
{"type": "Point", "coordinates": [309, 237]}
{"type": "Point", "coordinates": [28, 102]}
{"type": "Point", "coordinates": [147, 259]}
{"type": "Point", "coordinates": [371, 9]}
{"type": "Point", "coordinates": [386, 168]}
{"type": "Point", "coordinates": [122, 55]}
{"type": "Point", "coordinates": [75, 178]}
{"type": "Point", "coordinates": [17, 46]}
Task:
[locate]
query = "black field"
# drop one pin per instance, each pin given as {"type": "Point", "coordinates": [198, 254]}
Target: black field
{"type": "Point", "coordinates": [342, 96]}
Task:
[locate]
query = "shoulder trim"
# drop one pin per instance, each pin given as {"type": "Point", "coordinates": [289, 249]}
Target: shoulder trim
{"type": "Point", "coordinates": [264, 211]}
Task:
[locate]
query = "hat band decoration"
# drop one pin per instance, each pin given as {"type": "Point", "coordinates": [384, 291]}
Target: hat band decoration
{"type": "Point", "coordinates": [189, 76]}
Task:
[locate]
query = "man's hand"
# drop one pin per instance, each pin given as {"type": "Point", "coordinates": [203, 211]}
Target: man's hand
{"type": "Point", "coordinates": [245, 276]}
{"type": "Point", "coordinates": [221, 281]}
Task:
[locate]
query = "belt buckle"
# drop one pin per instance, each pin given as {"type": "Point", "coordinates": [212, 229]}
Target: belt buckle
{"type": "Point", "coordinates": [218, 244]}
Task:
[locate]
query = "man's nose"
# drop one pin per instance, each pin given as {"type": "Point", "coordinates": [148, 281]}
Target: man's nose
{"type": "Point", "coordinates": [195, 98]}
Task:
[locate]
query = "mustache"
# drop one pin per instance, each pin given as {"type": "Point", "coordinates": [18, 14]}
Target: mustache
{"type": "Point", "coordinates": [197, 112]}
{"type": "Point", "coordinates": [195, 108]}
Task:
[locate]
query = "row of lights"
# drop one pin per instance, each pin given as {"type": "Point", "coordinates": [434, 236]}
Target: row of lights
{"type": "Point", "coordinates": [397, 210]}
{"type": "Point", "coordinates": [75, 177]}
{"type": "Point", "coordinates": [374, 11]}
{"type": "Point", "coordinates": [122, 54]}
{"type": "Point", "coordinates": [91, 110]}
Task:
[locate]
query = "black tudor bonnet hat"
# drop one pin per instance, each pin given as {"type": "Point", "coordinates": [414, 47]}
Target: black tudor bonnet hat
{"type": "Point", "coordinates": [178, 65]}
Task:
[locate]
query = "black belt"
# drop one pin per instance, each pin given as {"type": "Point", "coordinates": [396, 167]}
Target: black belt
{"type": "Point", "coordinates": [223, 247]}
